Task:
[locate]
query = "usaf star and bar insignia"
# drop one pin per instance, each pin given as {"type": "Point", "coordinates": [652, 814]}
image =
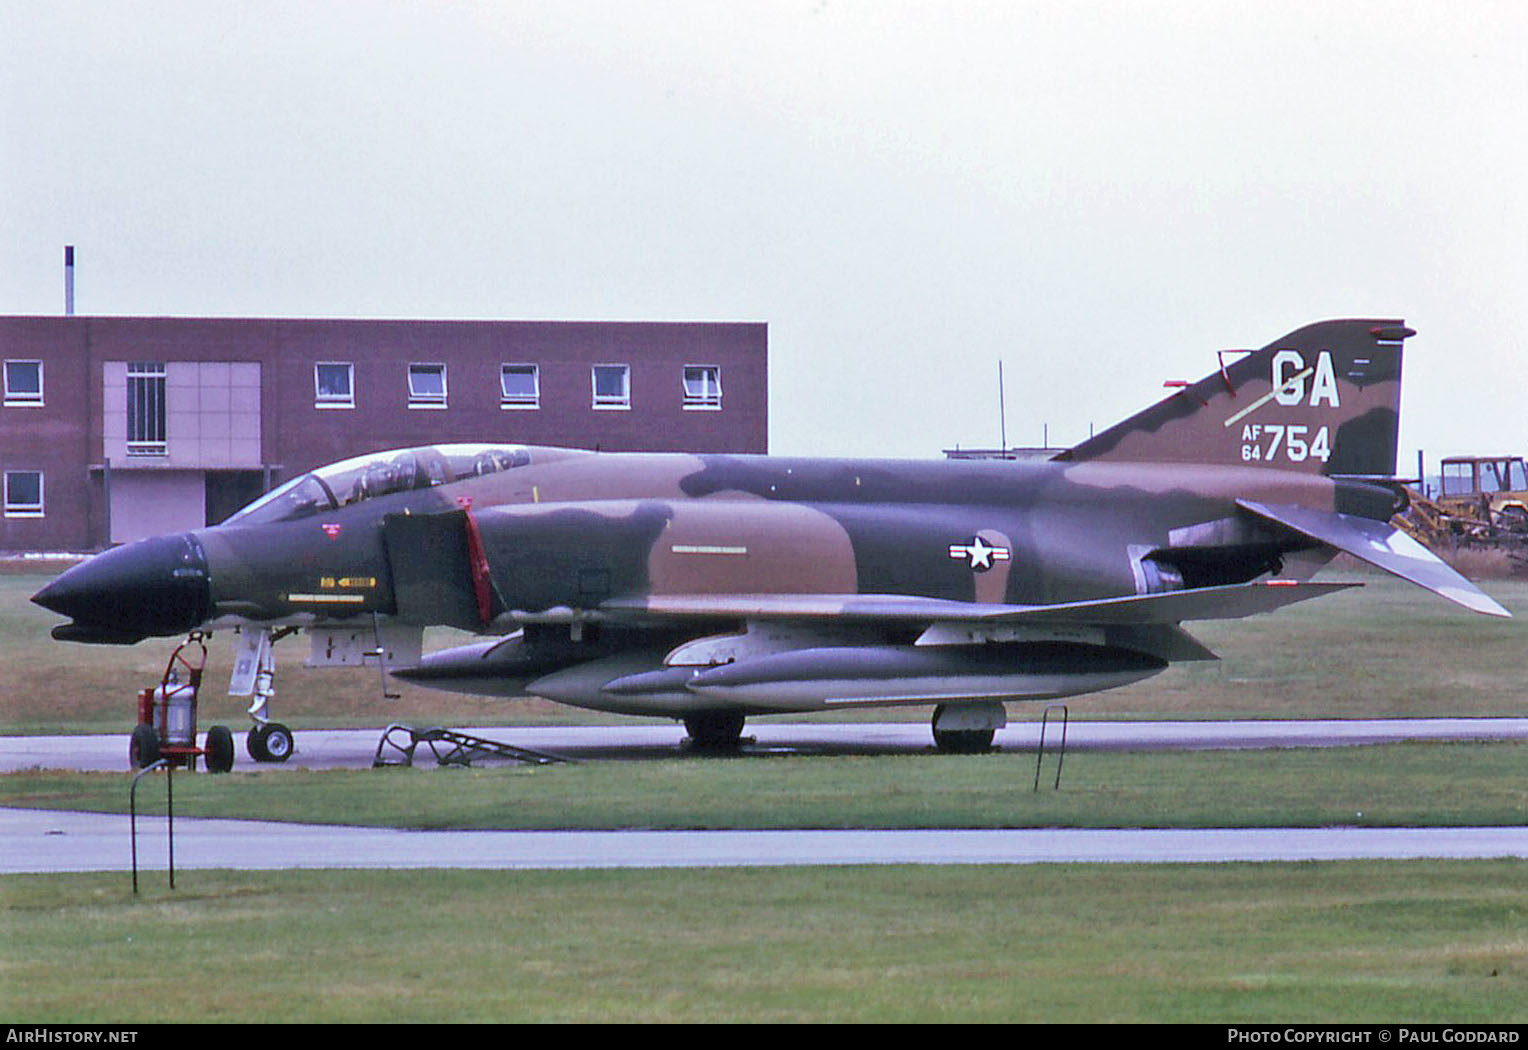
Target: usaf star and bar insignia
{"type": "Point", "coordinates": [979, 554]}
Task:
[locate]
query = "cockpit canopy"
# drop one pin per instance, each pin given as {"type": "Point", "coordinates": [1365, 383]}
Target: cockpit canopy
{"type": "Point", "coordinates": [378, 474]}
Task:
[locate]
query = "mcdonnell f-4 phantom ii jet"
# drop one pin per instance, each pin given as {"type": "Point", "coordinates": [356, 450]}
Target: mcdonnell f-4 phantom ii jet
{"type": "Point", "coordinates": [708, 588]}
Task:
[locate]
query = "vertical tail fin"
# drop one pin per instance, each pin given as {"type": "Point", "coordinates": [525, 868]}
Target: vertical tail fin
{"type": "Point", "coordinates": [1324, 399]}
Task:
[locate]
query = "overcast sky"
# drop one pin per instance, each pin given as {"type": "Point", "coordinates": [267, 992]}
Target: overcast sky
{"type": "Point", "coordinates": [1098, 194]}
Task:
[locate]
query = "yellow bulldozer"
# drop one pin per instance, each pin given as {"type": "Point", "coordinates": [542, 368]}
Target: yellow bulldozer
{"type": "Point", "coordinates": [1482, 502]}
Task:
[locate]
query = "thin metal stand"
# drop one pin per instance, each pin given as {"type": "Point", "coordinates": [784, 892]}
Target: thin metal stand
{"type": "Point", "coordinates": [1040, 753]}
{"type": "Point", "coordinates": [132, 808]}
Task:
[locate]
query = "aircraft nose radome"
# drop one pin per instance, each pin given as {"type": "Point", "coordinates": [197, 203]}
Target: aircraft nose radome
{"type": "Point", "coordinates": [153, 587]}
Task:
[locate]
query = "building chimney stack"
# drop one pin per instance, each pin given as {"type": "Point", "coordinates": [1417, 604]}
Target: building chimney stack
{"type": "Point", "coordinates": [68, 280]}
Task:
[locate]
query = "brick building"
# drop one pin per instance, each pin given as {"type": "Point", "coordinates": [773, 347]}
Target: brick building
{"type": "Point", "coordinates": [114, 428]}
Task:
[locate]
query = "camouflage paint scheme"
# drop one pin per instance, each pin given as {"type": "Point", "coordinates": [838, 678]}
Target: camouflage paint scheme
{"type": "Point", "coordinates": [709, 588]}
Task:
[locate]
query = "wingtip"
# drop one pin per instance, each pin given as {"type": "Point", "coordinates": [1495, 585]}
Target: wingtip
{"type": "Point", "coordinates": [1474, 600]}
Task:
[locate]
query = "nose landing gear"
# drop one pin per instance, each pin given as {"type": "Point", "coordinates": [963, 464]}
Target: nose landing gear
{"type": "Point", "coordinates": [254, 675]}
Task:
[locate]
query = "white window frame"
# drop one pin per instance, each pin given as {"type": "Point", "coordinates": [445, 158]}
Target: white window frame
{"type": "Point", "coordinates": [323, 400]}
{"type": "Point", "coordinates": [709, 397]}
{"type": "Point", "coordinates": [510, 401]}
{"type": "Point", "coordinates": [24, 510]}
{"type": "Point", "coordinates": [23, 398]}
{"type": "Point", "coordinates": [147, 408]}
{"type": "Point", "coordinates": [430, 398]}
{"type": "Point", "coordinates": [611, 402]}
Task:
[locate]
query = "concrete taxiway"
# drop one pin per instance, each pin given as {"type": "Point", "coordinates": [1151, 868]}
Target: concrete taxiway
{"type": "Point", "coordinates": [48, 841]}
{"type": "Point", "coordinates": [357, 748]}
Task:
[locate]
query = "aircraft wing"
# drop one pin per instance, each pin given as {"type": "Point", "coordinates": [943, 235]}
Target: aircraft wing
{"type": "Point", "coordinates": [1383, 546]}
{"type": "Point", "coordinates": [1204, 603]}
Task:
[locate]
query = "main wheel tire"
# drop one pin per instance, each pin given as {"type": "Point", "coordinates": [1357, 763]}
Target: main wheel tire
{"type": "Point", "coordinates": [219, 749]}
{"type": "Point", "coordinates": [143, 748]}
{"type": "Point", "coordinates": [963, 741]}
{"type": "Point", "coordinates": [715, 730]}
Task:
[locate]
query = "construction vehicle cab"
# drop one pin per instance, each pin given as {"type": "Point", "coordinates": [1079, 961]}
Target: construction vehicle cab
{"type": "Point", "coordinates": [1488, 495]}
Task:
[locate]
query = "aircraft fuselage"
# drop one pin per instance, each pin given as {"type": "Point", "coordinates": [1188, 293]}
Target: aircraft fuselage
{"type": "Point", "coordinates": [584, 528]}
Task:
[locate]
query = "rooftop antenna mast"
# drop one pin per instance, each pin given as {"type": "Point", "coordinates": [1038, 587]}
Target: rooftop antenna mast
{"type": "Point", "coordinates": [1002, 409]}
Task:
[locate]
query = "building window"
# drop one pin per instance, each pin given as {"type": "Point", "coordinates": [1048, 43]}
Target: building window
{"type": "Point", "coordinates": [146, 408]}
{"type": "Point", "coordinates": [520, 386]}
{"type": "Point", "coordinates": [702, 386]}
{"type": "Point", "coordinates": [612, 386]}
{"type": "Point", "coordinates": [23, 493]}
{"type": "Point", "coordinates": [23, 383]}
{"type": "Point", "coordinates": [427, 386]}
{"type": "Point", "coordinates": [334, 384]}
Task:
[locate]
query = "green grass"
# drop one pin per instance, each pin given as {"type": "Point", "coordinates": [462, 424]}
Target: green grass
{"type": "Point", "coordinates": [1393, 785]}
{"type": "Point", "coordinates": [1349, 942]}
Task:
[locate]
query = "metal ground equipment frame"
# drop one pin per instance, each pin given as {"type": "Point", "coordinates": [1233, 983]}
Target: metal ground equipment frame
{"type": "Point", "coordinates": [450, 748]}
{"type": "Point", "coordinates": [166, 729]}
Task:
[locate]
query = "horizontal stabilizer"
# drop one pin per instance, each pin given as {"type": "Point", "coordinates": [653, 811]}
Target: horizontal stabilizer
{"type": "Point", "coordinates": [1203, 603]}
{"type": "Point", "coordinates": [1382, 546]}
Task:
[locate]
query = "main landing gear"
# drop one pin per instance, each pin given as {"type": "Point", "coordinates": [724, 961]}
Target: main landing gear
{"type": "Point", "coordinates": [715, 730]}
{"type": "Point", "coordinates": [967, 729]}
